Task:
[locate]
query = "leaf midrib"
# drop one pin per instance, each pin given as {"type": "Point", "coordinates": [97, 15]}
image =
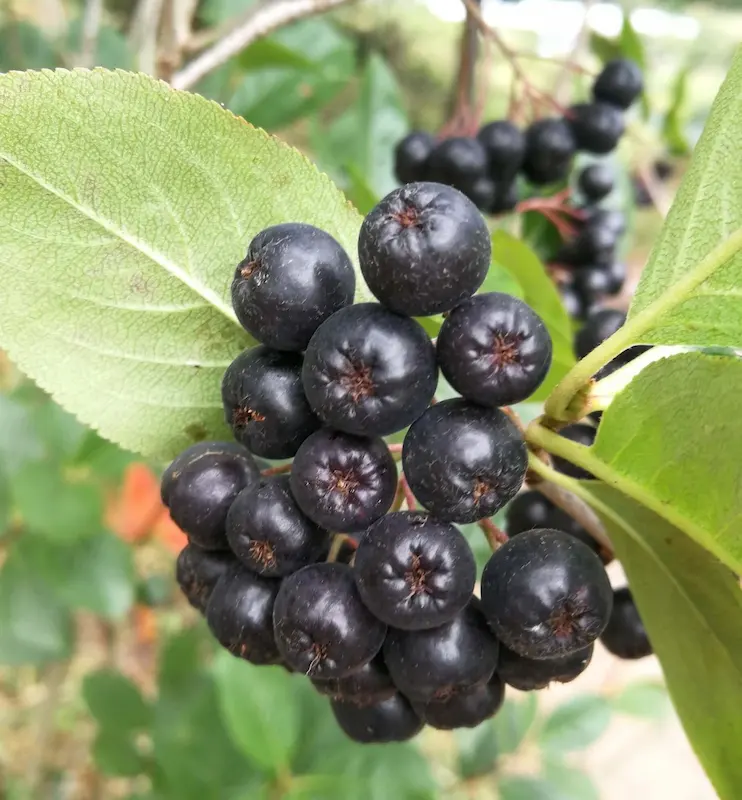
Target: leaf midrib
{"type": "Point", "coordinates": [161, 260]}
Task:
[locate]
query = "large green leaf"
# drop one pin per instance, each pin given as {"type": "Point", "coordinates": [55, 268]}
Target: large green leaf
{"type": "Point", "coordinates": [115, 701]}
{"type": "Point", "coordinates": [541, 294]}
{"type": "Point", "coordinates": [689, 292]}
{"type": "Point", "coordinates": [576, 724]}
{"type": "Point", "coordinates": [120, 226]}
{"type": "Point", "coordinates": [692, 607]}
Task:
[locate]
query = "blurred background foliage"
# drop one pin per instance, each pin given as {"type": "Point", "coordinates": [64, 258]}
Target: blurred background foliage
{"type": "Point", "coordinates": [109, 686]}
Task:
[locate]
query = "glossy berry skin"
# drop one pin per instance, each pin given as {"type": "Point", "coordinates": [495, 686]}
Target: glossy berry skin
{"type": "Point", "coordinates": [625, 636]}
{"type": "Point", "coordinates": [620, 83]}
{"type": "Point", "coordinates": [458, 162]}
{"type": "Point", "coordinates": [268, 532]}
{"type": "Point", "coordinates": [369, 371]}
{"type": "Point", "coordinates": [240, 615]}
{"type": "Point", "coordinates": [597, 328]}
{"type": "Point", "coordinates": [579, 433]}
{"type": "Point", "coordinates": [264, 402]}
{"type": "Point", "coordinates": [197, 572]}
{"type": "Point", "coordinates": [390, 720]}
{"type": "Point", "coordinates": [596, 182]}
{"type": "Point", "coordinates": [481, 192]}
{"type": "Point", "coordinates": [423, 249]}
{"type": "Point", "coordinates": [343, 482]}
{"type": "Point", "coordinates": [505, 145]}
{"type": "Point", "coordinates": [608, 218]}
{"type": "Point", "coordinates": [322, 628]}
{"type": "Point", "coordinates": [505, 198]}
{"type": "Point", "coordinates": [292, 279]}
{"type": "Point", "coordinates": [201, 484]}
{"type": "Point", "coordinates": [527, 674]}
{"type": "Point", "coordinates": [597, 127]}
{"type": "Point", "coordinates": [550, 148]}
{"type": "Point", "coordinates": [466, 709]}
{"type": "Point", "coordinates": [571, 301]}
{"type": "Point", "coordinates": [546, 594]}
{"type": "Point", "coordinates": [594, 242]}
{"type": "Point", "coordinates": [464, 462]}
{"type": "Point", "coordinates": [494, 349]}
{"type": "Point", "coordinates": [372, 683]}
{"type": "Point", "coordinates": [411, 156]}
{"type": "Point", "coordinates": [527, 511]}
{"type": "Point", "coordinates": [617, 274]}
{"type": "Point", "coordinates": [413, 571]}
{"type": "Point", "coordinates": [592, 284]}
{"type": "Point", "coordinates": [438, 663]}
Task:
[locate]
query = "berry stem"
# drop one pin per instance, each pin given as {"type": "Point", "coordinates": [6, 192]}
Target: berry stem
{"type": "Point", "coordinates": [462, 99]}
{"type": "Point", "coordinates": [337, 543]}
{"type": "Point", "coordinates": [280, 470]}
{"type": "Point", "coordinates": [494, 534]}
{"type": "Point", "coordinates": [409, 497]}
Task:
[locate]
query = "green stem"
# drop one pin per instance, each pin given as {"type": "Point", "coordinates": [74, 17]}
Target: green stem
{"type": "Point", "coordinates": [631, 333]}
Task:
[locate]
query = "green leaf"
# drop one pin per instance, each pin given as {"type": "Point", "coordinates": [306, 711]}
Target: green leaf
{"type": "Point", "coordinates": [258, 708]}
{"type": "Point", "coordinates": [104, 459]}
{"type": "Point", "coordinates": [513, 721]}
{"type": "Point", "coordinates": [112, 49]}
{"type": "Point", "coordinates": [576, 724]}
{"type": "Point", "coordinates": [115, 701]}
{"type": "Point", "coordinates": [24, 46]}
{"type": "Point", "coordinates": [514, 787]}
{"type": "Point", "coordinates": [116, 754]}
{"type": "Point", "coordinates": [568, 783]}
{"type": "Point", "coordinates": [381, 772]}
{"type": "Point", "coordinates": [34, 626]}
{"type": "Point", "coordinates": [143, 201]}
{"type": "Point", "coordinates": [689, 292]}
{"type": "Point", "coordinates": [642, 699]}
{"type": "Point", "coordinates": [631, 46]}
{"type": "Point", "coordinates": [674, 123]}
{"type": "Point", "coordinates": [692, 607]}
{"type": "Point", "coordinates": [5, 500]}
{"type": "Point", "coordinates": [19, 441]}
{"type": "Point", "coordinates": [270, 52]}
{"type": "Point", "coordinates": [53, 507]}
{"type": "Point", "coordinates": [359, 191]}
{"type": "Point", "coordinates": [671, 439]}
{"type": "Point", "coordinates": [541, 294]}
{"type": "Point", "coordinates": [181, 660]}
{"type": "Point", "coordinates": [215, 11]}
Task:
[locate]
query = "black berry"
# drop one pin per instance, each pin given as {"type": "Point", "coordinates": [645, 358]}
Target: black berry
{"type": "Point", "coordinates": [438, 663]}
{"type": "Point", "coordinates": [592, 284]}
{"type": "Point", "coordinates": [201, 484]}
{"type": "Point", "coordinates": [505, 198]}
{"type": "Point", "coordinates": [625, 636]}
{"type": "Point", "coordinates": [505, 145]}
{"type": "Point", "coordinates": [369, 684]}
{"type": "Point", "coordinates": [527, 674]}
{"type": "Point", "coordinates": [579, 433]}
{"type": "Point", "coordinates": [466, 709]}
{"type": "Point", "coordinates": [595, 240]}
{"type": "Point", "coordinates": [494, 349]}
{"type": "Point", "coordinates": [197, 572]}
{"type": "Point", "coordinates": [424, 248]}
{"type": "Point", "coordinates": [240, 615]}
{"type": "Point", "coordinates": [527, 511]}
{"type": "Point", "coordinates": [293, 277]}
{"type": "Point", "coordinates": [550, 148]}
{"type": "Point", "coordinates": [597, 328]}
{"type": "Point", "coordinates": [369, 371]}
{"type": "Point", "coordinates": [390, 720]}
{"type": "Point", "coordinates": [596, 182]}
{"type": "Point", "coordinates": [481, 192]}
{"type": "Point", "coordinates": [264, 402]}
{"type": "Point", "coordinates": [343, 482]}
{"type": "Point", "coordinates": [268, 532]}
{"type": "Point", "coordinates": [322, 627]}
{"type": "Point", "coordinates": [457, 162]}
{"type": "Point", "coordinates": [414, 572]}
{"type": "Point", "coordinates": [571, 301]}
{"type": "Point", "coordinates": [619, 84]}
{"type": "Point", "coordinates": [411, 157]}
{"type": "Point", "coordinates": [617, 274]}
{"type": "Point", "coordinates": [597, 127]}
{"type": "Point", "coordinates": [464, 462]}
{"type": "Point", "coordinates": [546, 594]}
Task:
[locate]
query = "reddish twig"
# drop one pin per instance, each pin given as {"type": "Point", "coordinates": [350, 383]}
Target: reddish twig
{"type": "Point", "coordinates": [284, 468]}
{"type": "Point", "coordinates": [495, 535]}
{"type": "Point", "coordinates": [409, 497]}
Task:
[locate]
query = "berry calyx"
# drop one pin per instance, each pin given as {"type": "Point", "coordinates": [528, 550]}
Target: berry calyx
{"type": "Point", "coordinates": [494, 349]}
{"type": "Point", "coordinates": [423, 249]}
{"type": "Point", "coordinates": [414, 572]}
{"type": "Point", "coordinates": [625, 635]}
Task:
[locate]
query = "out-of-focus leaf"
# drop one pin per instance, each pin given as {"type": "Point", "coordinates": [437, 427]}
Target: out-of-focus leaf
{"type": "Point", "coordinates": [576, 723]}
{"type": "Point", "coordinates": [115, 753]}
{"type": "Point", "coordinates": [673, 125]}
{"type": "Point", "coordinates": [115, 702]}
{"type": "Point", "coordinates": [24, 46]}
{"type": "Point", "coordinates": [643, 699]}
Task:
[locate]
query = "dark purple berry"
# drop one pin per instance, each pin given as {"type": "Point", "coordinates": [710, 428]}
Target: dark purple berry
{"type": "Point", "coordinates": [457, 162]}
{"type": "Point", "coordinates": [625, 636]}
{"type": "Point", "coordinates": [481, 192]}
{"type": "Point", "coordinates": [494, 349]}
{"type": "Point", "coordinates": [371, 683]}
{"type": "Point", "coordinates": [414, 572]}
{"type": "Point", "coordinates": [505, 145]}
{"type": "Point", "coordinates": [616, 273]}
{"type": "Point", "coordinates": [545, 594]}
{"type": "Point", "coordinates": [292, 279]}
{"type": "Point", "coordinates": [465, 709]}
{"type": "Point", "coordinates": [343, 482]}
{"type": "Point", "coordinates": [579, 433]}
{"type": "Point", "coordinates": [197, 572]}
{"type": "Point", "coordinates": [464, 462]}
{"type": "Point", "coordinates": [424, 249]}
{"type": "Point", "coordinates": [201, 484]}
{"type": "Point", "coordinates": [505, 199]}
{"type": "Point", "coordinates": [411, 157]}
{"type": "Point", "coordinates": [369, 371]}
{"type": "Point", "coordinates": [268, 532]}
{"type": "Point", "coordinates": [439, 663]}
{"type": "Point", "coordinates": [550, 148]}
{"type": "Point", "coordinates": [596, 181]}
{"type": "Point", "coordinates": [527, 674]}
{"type": "Point", "coordinates": [597, 328]}
{"type": "Point", "coordinates": [619, 84]}
{"type": "Point", "coordinates": [592, 284]}
{"type": "Point", "coordinates": [264, 402]}
{"type": "Point", "coordinates": [240, 615]}
{"type": "Point", "coordinates": [390, 720]}
{"type": "Point", "coordinates": [571, 301]}
{"type": "Point", "coordinates": [597, 127]}
{"type": "Point", "coordinates": [322, 627]}
{"type": "Point", "coordinates": [527, 511]}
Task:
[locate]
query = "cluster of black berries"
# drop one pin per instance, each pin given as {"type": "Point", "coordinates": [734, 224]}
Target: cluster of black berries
{"type": "Point", "coordinates": [386, 625]}
{"type": "Point", "coordinates": [485, 168]}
